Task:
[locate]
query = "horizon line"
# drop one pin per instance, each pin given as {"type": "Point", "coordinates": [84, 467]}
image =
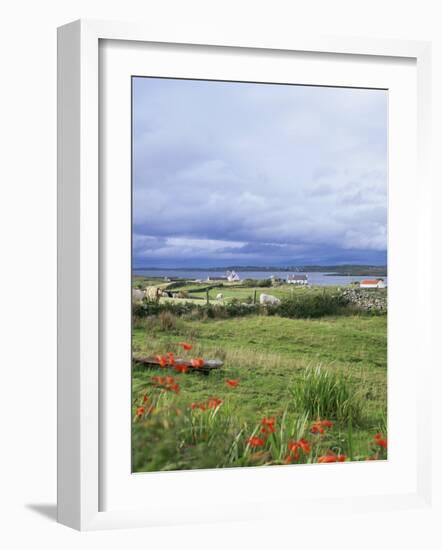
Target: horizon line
{"type": "Point", "coordinates": [288, 267]}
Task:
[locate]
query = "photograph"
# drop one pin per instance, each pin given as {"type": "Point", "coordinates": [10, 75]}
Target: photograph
{"type": "Point", "coordinates": [259, 274]}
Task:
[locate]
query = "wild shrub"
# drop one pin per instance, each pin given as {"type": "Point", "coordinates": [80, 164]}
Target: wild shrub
{"type": "Point", "coordinates": [302, 306]}
{"type": "Point", "coordinates": [239, 309]}
{"type": "Point", "coordinates": [167, 321]}
{"type": "Point", "coordinates": [193, 311]}
{"type": "Point", "coordinates": [260, 283]}
{"type": "Point", "coordinates": [323, 393]}
{"type": "Point", "coordinates": [152, 307]}
{"type": "Point", "coordinates": [312, 305]}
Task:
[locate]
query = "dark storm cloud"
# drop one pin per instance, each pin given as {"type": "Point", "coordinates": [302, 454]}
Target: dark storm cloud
{"type": "Point", "coordinates": [259, 174]}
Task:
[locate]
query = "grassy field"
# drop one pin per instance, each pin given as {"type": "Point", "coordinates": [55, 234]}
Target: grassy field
{"type": "Point", "coordinates": [274, 362]}
{"type": "Point", "coordinates": [230, 291]}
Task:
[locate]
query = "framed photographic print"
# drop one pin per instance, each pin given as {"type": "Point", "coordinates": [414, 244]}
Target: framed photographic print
{"type": "Point", "coordinates": [259, 325]}
{"type": "Point", "coordinates": [235, 242]}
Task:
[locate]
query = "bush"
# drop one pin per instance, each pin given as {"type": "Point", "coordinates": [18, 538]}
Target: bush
{"type": "Point", "coordinates": [259, 283]}
{"type": "Point", "coordinates": [312, 305]}
{"type": "Point", "coordinates": [167, 320]}
{"type": "Point", "coordinates": [152, 307]}
{"type": "Point", "coordinates": [192, 311]}
{"type": "Point", "coordinates": [299, 306]}
{"type": "Point", "coordinates": [322, 393]}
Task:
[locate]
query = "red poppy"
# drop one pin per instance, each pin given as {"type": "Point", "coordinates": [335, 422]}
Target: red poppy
{"type": "Point", "coordinates": [305, 446]}
{"type": "Point", "coordinates": [170, 358]}
{"type": "Point", "coordinates": [381, 441]}
{"type": "Point", "coordinates": [327, 423]}
{"type": "Point", "coordinates": [255, 441]}
{"type": "Point", "coordinates": [302, 444]}
{"type": "Point", "coordinates": [232, 383]}
{"type": "Point", "coordinates": [145, 398]}
{"type": "Point", "coordinates": [326, 459]}
{"type": "Point", "coordinates": [181, 368]}
{"type": "Point", "coordinates": [162, 360]}
{"type": "Point", "coordinates": [319, 425]}
{"type": "Point", "coordinates": [175, 388]}
{"type": "Point", "coordinates": [140, 411]}
{"type": "Point", "coordinates": [198, 362]}
{"type": "Point", "coordinates": [158, 380]}
{"type": "Point", "coordinates": [185, 346]}
{"type": "Point", "coordinates": [268, 425]}
{"type": "Point", "coordinates": [331, 457]}
{"type": "Point", "coordinates": [268, 421]}
{"type": "Point", "coordinates": [170, 379]}
{"type": "Point", "coordinates": [294, 451]}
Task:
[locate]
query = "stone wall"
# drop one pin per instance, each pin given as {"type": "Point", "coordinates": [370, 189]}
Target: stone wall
{"type": "Point", "coordinates": [367, 299]}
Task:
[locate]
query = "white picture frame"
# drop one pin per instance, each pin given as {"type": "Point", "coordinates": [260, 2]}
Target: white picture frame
{"type": "Point", "coordinates": [80, 439]}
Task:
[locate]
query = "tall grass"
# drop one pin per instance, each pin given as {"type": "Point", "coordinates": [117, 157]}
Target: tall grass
{"type": "Point", "coordinates": [174, 437]}
{"type": "Point", "coordinates": [323, 393]}
{"type": "Point", "coordinates": [172, 433]}
{"type": "Point", "coordinates": [167, 321]}
{"type": "Point", "coordinates": [289, 428]}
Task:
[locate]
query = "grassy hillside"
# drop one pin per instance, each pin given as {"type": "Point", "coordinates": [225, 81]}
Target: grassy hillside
{"type": "Point", "coordinates": [269, 357]}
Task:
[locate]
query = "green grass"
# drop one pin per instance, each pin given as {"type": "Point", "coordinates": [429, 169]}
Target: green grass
{"type": "Point", "coordinates": [325, 393]}
{"type": "Point", "coordinates": [237, 291]}
{"type": "Point", "coordinates": [229, 291]}
{"type": "Point", "coordinates": [270, 356]}
{"type": "Point", "coordinates": [348, 340]}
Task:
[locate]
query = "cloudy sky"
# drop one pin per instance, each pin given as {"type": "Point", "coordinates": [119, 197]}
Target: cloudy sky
{"type": "Point", "coordinates": [257, 174]}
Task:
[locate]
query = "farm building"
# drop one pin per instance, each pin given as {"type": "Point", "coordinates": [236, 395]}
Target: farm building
{"type": "Point", "coordinates": [372, 283]}
{"type": "Point", "coordinates": [297, 279]}
{"type": "Point", "coordinates": [232, 276]}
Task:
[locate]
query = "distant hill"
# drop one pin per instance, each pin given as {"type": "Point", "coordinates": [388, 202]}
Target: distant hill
{"type": "Point", "coordinates": [344, 270]}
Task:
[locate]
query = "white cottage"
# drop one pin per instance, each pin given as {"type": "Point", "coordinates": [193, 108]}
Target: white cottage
{"type": "Point", "coordinates": [372, 283]}
{"type": "Point", "coordinates": [297, 279]}
{"type": "Point", "coordinates": [232, 276]}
